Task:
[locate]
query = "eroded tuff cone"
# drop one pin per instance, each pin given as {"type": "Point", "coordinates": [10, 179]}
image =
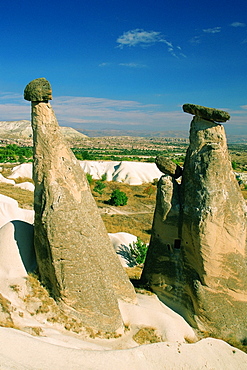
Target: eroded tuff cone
{"type": "Point", "coordinates": [168, 167]}
{"type": "Point", "coordinates": [210, 114]}
{"type": "Point", "coordinates": [198, 266]}
{"type": "Point", "coordinates": [75, 258]}
{"type": "Point", "coordinates": [38, 90]}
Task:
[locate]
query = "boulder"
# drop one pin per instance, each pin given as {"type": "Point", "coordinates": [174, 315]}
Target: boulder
{"type": "Point", "coordinates": [76, 260]}
{"type": "Point", "coordinates": [38, 90]}
{"type": "Point", "coordinates": [197, 259]}
{"type": "Point", "coordinates": [168, 167]}
{"type": "Point", "coordinates": [210, 114]}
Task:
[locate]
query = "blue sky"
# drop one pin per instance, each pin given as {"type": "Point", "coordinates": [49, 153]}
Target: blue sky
{"type": "Point", "coordinates": [126, 65]}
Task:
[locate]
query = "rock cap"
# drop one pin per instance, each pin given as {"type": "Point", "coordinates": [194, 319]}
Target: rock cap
{"type": "Point", "coordinates": [38, 90]}
{"type": "Point", "coordinates": [210, 114]}
{"type": "Point", "coordinates": [168, 167]}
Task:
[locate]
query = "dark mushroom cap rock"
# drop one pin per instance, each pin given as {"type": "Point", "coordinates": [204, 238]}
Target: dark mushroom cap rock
{"type": "Point", "coordinates": [168, 167]}
{"type": "Point", "coordinates": [38, 90]}
{"type": "Point", "coordinates": [210, 114]}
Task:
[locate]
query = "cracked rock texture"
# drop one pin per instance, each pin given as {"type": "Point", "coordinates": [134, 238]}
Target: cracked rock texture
{"type": "Point", "coordinates": [196, 261]}
{"type": "Point", "coordinates": [75, 257]}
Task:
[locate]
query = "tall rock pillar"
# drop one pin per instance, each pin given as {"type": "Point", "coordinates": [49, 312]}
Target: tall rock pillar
{"type": "Point", "coordinates": [208, 286]}
{"type": "Point", "coordinates": [76, 260]}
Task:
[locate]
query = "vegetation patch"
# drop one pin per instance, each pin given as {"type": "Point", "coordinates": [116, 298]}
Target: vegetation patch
{"type": "Point", "coordinates": [5, 313]}
{"type": "Point", "coordinates": [146, 336]}
{"type": "Point", "coordinates": [139, 250]}
{"type": "Point", "coordinates": [23, 197]}
{"type": "Point", "coordinates": [118, 198]}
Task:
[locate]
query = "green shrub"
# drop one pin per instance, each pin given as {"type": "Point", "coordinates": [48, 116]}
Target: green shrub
{"type": "Point", "coordinates": [118, 198]}
{"type": "Point", "coordinates": [103, 177]}
{"type": "Point", "coordinates": [139, 250]}
{"type": "Point", "coordinates": [234, 165]}
{"type": "Point", "coordinates": [89, 178]}
{"type": "Point", "coordinates": [99, 187]}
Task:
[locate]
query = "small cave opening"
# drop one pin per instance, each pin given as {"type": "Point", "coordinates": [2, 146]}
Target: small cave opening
{"type": "Point", "coordinates": [177, 243]}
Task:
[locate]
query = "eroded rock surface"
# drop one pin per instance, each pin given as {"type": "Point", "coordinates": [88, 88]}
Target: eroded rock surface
{"type": "Point", "coordinates": [197, 256]}
{"type": "Point", "coordinates": [210, 114]}
{"type": "Point", "coordinates": [168, 167]}
{"type": "Point", "coordinates": [76, 260]}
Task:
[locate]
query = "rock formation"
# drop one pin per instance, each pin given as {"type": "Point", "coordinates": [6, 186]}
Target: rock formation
{"type": "Point", "coordinates": [209, 114]}
{"type": "Point", "coordinates": [197, 257]}
{"type": "Point", "coordinates": [75, 258]}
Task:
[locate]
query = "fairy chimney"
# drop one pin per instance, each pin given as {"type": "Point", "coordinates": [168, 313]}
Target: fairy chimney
{"type": "Point", "coordinates": [76, 260]}
{"type": "Point", "coordinates": [197, 255]}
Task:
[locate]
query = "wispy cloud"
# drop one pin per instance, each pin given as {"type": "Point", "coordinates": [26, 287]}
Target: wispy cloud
{"type": "Point", "coordinates": [238, 24]}
{"type": "Point", "coordinates": [133, 65]}
{"type": "Point", "coordinates": [195, 40]}
{"type": "Point", "coordinates": [13, 107]}
{"type": "Point", "coordinates": [144, 39]}
{"type": "Point", "coordinates": [105, 64]}
{"type": "Point", "coordinates": [129, 65]}
{"type": "Point", "coordinates": [101, 113]}
{"type": "Point", "coordinates": [212, 30]}
{"type": "Point", "coordinates": [139, 37]}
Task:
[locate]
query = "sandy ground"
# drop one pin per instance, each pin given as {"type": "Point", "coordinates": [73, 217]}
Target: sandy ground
{"type": "Point", "coordinates": [55, 348]}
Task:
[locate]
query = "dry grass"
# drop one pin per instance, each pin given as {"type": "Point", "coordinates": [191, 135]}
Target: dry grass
{"type": "Point", "coordinates": [7, 169]}
{"type": "Point", "coordinates": [23, 197]}
{"type": "Point", "coordinates": [230, 340]}
{"type": "Point", "coordinates": [19, 180]}
{"type": "Point", "coordinates": [5, 313]}
{"type": "Point", "coordinates": [146, 336]}
{"type": "Point", "coordinates": [244, 192]}
{"type": "Point", "coordinates": [134, 272]}
{"type": "Point", "coordinates": [137, 215]}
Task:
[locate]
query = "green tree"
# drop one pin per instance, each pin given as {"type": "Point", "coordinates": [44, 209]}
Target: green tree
{"type": "Point", "coordinates": [118, 198]}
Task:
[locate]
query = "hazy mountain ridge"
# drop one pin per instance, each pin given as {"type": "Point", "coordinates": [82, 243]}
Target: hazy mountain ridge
{"type": "Point", "coordinates": [181, 134]}
{"type": "Point", "coordinates": [22, 131]}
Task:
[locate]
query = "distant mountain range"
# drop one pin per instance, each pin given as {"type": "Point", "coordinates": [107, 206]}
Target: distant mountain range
{"type": "Point", "coordinates": [136, 133]}
{"type": "Point", "coordinates": [164, 134]}
{"type": "Point", "coordinates": [21, 132]}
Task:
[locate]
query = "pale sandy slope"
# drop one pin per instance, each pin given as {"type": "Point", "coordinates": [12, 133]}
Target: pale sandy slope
{"type": "Point", "coordinates": [58, 349]}
{"type": "Point", "coordinates": [22, 352]}
{"type": "Point", "coordinates": [133, 173]}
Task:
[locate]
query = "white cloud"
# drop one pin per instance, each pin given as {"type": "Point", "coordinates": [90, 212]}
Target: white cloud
{"type": "Point", "coordinates": [238, 24]}
{"type": "Point", "coordinates": [101, 113]}
{"type": "Point", "coordinates": [105, 64]}
{"type": "Point", "coordinates": [139, 37]}
{"type": "Point", "coordinates": [212, 30]}
{"type": "Point", "coordinates": [142, 38]}
{"type": "Point", "coordinates": [195, 40]}
{"type": "Point", "coordinates": [96, 113]}
{"type": "Point", "coordinates": [133, 65]}
{"type": "Point", "coordinates": [13, 107]}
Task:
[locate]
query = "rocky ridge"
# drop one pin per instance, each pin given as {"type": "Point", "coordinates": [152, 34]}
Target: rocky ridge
{"type": "Point", "coordinates": [21, 132]}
